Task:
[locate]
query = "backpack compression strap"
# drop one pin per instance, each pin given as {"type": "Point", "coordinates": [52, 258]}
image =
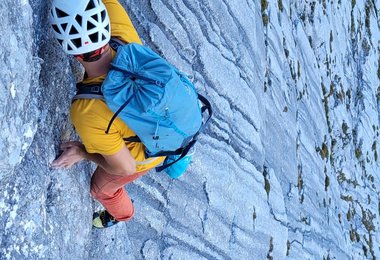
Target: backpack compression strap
{"type": "Point", "coordinates": [184, 153]}
{"type": "Point", "coordinates": [206, 106]}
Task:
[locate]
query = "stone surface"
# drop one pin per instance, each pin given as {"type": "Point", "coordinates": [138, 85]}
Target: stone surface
{"type": "Point", "coordinates": [287, 168]}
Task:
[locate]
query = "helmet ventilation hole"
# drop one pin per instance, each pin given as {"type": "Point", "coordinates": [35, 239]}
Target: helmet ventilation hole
{"type": "Point", "coordinates": [90, 25]}
{"type": "Point", "coordinates": [64, 26]}
{"type": "Point", "coordinates": [90, 5]}
{"type": "Point", "coordinates": [94, 37]}
{"type": "Point", "coordinates": [77, 42]}
{"type": "Point", "coordinates": [60, 13]}
{"type": "Point", "coordinates": [95, 17]}
{"type": "Point", "coordinates": [55, 28]}
{"type": "Point", "coordinates": [104, 15]}
{"type": "Point", "coordinates": [73, 30]}
{"type": "Point", "coordinates": [78, 18]}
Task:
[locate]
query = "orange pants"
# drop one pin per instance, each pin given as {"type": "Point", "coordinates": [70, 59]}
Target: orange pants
{"type": "Point", "coordinates": [109, 190]}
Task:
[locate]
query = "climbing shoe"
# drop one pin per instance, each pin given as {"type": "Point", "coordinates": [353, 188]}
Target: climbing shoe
{"type": "Point", "coordinates": [103, 219]}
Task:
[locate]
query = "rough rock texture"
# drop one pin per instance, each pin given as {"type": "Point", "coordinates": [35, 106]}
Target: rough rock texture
{"type": "Point", "coordinates": [289, 166]}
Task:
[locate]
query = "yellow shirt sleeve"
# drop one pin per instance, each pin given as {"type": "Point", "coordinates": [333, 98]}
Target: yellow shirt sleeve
{"type": "Point", "coordinates": [91, 118]}
{"type": "Point", "coordinates": [121, 24]}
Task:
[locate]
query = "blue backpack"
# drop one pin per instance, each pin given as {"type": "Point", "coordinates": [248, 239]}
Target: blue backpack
{"type": "Point", "coordinates": [155, 100]}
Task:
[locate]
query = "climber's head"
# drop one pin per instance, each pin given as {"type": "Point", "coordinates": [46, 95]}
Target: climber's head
{"type": "Point", "coordinates": [82, 27]}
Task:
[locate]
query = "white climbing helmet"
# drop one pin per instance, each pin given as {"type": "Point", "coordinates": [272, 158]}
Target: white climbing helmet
{"type": "Point", "coordinates": [80, 26]}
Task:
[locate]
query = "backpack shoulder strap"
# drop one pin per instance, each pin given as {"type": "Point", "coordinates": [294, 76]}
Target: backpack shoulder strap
{"type": "Point", "coordinates": [115, 43]}
{"type": "Point", "coordinates": [88, 91]}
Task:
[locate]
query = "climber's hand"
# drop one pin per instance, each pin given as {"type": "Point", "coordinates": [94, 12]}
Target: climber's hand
{"type": "Point", "coordinates": [73, 152]}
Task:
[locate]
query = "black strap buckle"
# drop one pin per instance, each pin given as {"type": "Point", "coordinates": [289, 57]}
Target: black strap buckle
{"type": "Point", "coordinates": [95, 89]}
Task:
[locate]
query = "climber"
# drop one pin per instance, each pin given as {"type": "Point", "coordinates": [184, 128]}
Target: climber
{"type": "Point", "coordinates": [84, 28]}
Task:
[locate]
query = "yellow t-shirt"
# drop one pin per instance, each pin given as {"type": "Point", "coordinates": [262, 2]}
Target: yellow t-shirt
{"type": "Point", "coordinates": [92, 116]}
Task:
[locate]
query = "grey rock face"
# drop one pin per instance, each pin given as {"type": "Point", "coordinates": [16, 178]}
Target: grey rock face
{"type": "Point", "coordinates": [287, 168]}
{"type": "Point", "coordinates": [19, 79]}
